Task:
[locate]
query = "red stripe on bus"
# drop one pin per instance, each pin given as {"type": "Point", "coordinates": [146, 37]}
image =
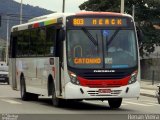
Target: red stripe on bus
{"type": "Point", "coordinates": [35, 25]}
{"type": "Point", "coordinates": [103, 83]}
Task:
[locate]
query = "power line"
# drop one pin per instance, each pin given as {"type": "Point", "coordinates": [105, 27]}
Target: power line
{"type": "Point", "coordinates": [4, 20]}
{"type": "Point", "coordinates": [17, 15]}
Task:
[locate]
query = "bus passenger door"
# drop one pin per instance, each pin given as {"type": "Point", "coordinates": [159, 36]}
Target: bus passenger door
{"type": "Point", "coordinates": [35, 84]}
{"type": "Point", "coordinates": [52, 52]}
{"type": "Point", "coordinates": [59, 55]}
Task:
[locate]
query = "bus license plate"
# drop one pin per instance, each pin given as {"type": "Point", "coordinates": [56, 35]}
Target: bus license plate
{"type": "Point", "coordinates": [104, 91]}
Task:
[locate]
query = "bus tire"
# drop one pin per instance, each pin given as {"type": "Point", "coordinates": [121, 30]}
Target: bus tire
{"type": "Point", "coordinates": [33, 97]}
{"type": "Point", "coordinates": [158, 98]}
{"type": "Point", "coordinates": [8, 82]}
{"type": "Point", "coordinates": [79, 100]}
{"type": "Point", "coordinates": [24, 94]}
{"type": "Point", "coordinates": [115, 102]}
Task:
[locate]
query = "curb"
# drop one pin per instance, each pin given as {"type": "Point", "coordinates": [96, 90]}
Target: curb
{"type": "Point", "coordinates": [148, 95]}
{"type": "Point", "coordinates": [155, 88]}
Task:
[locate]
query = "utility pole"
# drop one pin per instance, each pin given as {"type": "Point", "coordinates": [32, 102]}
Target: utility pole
{"type": "Point", "coordinates": [7, 37]}
{"type": "Point", "coordinates": [133, 11]}
{"type": "Point", "coordinates": [63, 6]}
{"type": "Point", "coordinates": [122, 6]}
{"type": "Point", "coordinates": [21, 11]}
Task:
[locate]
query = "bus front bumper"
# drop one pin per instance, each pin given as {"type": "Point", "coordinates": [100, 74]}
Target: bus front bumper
{"type": "Point", "coordinates": [80, 92]}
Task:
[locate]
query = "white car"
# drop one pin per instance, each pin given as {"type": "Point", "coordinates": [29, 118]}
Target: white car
{"type": "Point", "coordinates": [4, 73]}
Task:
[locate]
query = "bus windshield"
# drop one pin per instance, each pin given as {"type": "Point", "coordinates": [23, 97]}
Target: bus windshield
{"type": "Point", "coordinates": [102, 48]}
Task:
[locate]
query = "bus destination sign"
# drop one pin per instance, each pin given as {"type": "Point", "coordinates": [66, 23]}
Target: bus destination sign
{"type": "Point", "coordinates": [99, 22]}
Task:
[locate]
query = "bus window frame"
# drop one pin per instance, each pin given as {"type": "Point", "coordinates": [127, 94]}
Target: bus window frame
{"type": "Point", "coordinates": [55, 26]}
{"type": "Point", "coordinates": [100, 28]}
{"type": "Point", "coordinates": [13, 45]}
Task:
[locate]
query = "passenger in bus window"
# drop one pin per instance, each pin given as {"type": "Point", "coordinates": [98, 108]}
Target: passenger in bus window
{"type": "Point", "coordinates": [115, 47]}
{"type": "Point", "coordinates": [119, 51]}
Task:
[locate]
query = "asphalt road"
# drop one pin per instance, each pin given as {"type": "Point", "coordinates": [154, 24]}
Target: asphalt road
{"type": "Point", "coordinates": [10, 103]}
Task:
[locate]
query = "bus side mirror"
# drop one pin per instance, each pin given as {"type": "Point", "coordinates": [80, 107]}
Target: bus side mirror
{"type": "Point", "coordinates": [61, 35]}
{"type": "Point", "coordinates": [139, 34]}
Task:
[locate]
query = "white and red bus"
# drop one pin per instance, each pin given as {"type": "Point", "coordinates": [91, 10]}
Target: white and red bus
{"type": "Point", "coordinates": [80, 56]}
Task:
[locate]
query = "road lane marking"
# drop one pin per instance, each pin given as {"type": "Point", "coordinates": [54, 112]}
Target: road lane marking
{"type": "Point", "coordinates": [124, 104]}
{"type": "Point", "coordinates": [148, 102]}
{"type": "Point", "coordinates": [138, 104]}
{"type": "Point", "coordinates": [153, 103]}
{"type": "Point", "coordinates": [10, 101]}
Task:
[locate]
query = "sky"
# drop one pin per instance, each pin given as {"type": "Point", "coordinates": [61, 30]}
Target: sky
{"type": "Point", "coordinates": [55, 5]}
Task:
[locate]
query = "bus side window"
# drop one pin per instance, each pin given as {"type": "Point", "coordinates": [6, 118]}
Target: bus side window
{"type": "Point", "coordinates": [25, 43]}
{"type": "Point", "coordinates": [50, 41]}
{"type": "Point", "coordinates": [33, 42]}
{"type": "Point", "coordinates": [41, 33]}
{"type": "Point", "coordinates": [12, 51]}
{"type": "Point", "coordinates": [19, 46]}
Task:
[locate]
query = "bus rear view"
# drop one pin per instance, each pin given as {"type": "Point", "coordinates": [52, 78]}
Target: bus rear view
{"type": "Point", "coordinates": [102, 57]}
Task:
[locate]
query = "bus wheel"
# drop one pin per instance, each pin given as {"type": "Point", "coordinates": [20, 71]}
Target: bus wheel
{"type": "Point", "coordinates": [33, 97]}
{"type": "Point", "coordinates": [158, 98]}
{"type": "Point", "coordinates": [79, 100]}
{"type": "Point", "coordinates": [55, 101]}
{"type": "Point", "coordinates": [24, 94]}
{"type": "Point", "coordinates": [115, 102]}
{"type": "Point", "coordinates": [8, 82]}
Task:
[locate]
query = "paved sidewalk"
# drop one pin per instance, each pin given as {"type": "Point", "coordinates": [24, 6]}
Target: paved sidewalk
{"type": "Point", "coordinates": [147, 89]}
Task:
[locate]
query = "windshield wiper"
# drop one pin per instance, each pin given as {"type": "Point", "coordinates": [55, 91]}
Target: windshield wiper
{"type": "Point", "coordinates": [89, 35]}
{"type": "Point", "coordinates": [113, 36]}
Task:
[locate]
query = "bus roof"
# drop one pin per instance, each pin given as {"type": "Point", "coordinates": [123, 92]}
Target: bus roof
{"type": "Point", "coordinates": [99, 13]}
{"type": "Point", "coordinates": [52, 18]}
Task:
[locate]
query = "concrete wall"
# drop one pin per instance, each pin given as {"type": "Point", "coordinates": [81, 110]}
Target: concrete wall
{"type": "Point", "coordinates": [150, 69]}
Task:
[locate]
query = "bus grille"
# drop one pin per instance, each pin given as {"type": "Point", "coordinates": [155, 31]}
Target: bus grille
{"type": "Point", "coordinates": [101, 76]}
{"type": "Point", "coordinates": [103, 86]}
{"type": "Point", "coordinates": [96, 93]}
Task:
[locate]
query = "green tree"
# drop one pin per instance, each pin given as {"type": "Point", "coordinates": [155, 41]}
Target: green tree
{"type": "Point", "coordinates": [147, 13]}
{"type": "Point", "coordinates": [3, 54]}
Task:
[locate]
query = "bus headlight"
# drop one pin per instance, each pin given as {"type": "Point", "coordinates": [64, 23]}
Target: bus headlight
{"type": "Point", "coordinates": [73, 78]}
{"type": "Point", "coordinates": [133, 78]}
